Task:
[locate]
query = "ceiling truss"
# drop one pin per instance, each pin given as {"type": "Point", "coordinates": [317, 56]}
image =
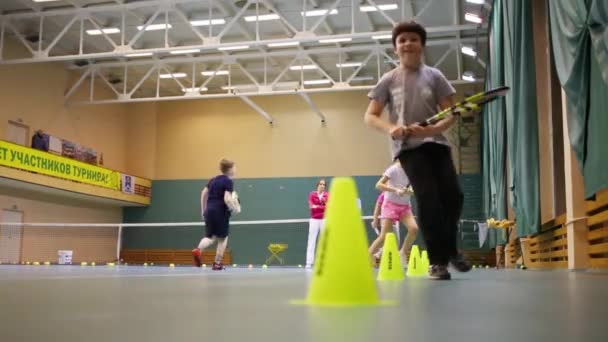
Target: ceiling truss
{"type": "Point", "coordinates": [182, 77]}
{"type": "Point", "coordinates": [128, 66]}
{"type": "Point", "coordinates": [208, 38]}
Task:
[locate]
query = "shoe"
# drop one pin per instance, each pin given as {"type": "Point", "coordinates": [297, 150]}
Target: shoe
{"type": "Point", "coordinates": [439, 272]}
{"type": "Point", "coordinates": [217, 266]}
{"type": "Point", "coordinates": [460, 264]}
{"type": "Point", "coordinates": [404, 259]}
{"type": "Point", "coordinates": [196, 256]}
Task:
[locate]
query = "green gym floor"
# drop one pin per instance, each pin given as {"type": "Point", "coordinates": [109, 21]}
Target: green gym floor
{"type": "Point", "coordinates": [133, 303]}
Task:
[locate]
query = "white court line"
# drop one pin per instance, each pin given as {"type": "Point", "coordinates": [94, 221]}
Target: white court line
{"type": "Point", "coordinates": [31, 276]}
{"type": "Point", "coordinates": [98, 276]}
{"type": "Point", "coordinates": [162, 224]}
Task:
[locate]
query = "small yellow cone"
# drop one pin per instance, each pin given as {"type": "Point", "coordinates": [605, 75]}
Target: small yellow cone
{"type": "Point", "coordinates": [342, 274]}
{"type": "Point", "coordinates": [414, 266]}
{"type": "Point", "coordinates": [424, 260]}
{"type": "Point", "coordinates": [390, 263]}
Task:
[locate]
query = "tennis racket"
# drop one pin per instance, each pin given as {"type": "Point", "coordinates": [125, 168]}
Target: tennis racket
{"type": "Point", "coordinates": [470, 104]}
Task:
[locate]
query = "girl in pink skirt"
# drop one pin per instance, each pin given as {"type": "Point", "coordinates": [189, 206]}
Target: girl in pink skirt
{"type": "Point", "coordinates": [395, 208]}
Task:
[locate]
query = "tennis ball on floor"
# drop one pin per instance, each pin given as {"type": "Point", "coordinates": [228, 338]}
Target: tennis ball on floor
{"type": "Point", "coordinates": [487, 266]}
{"type": "Point", "coordinates": [84, 263]}
{"type": "Point", "coordinates": [204, 265]}
{"type": "Point", "coordinates": [300, 266]}
{"type": "Point", "coordinates": [110, 264]}
{"type": "Point", "coordinates": [93, 263]}
{"type": "Point", "coordinates": [36, 263]}
{"type": "Point", "coordinates": [47, 263]}
{"type": "Point", "coordinates": [171, 265]}
{"type": "Point", "coordinates": [264, 266]}
{"type": "Point", "coordinates": [145, 264]}
{"type": "Point", "coordinates": [474, 267]}
{"type": "Point", "coordinates": [234, 265]}
{"type": "Point", "coordinates": [250, 266]}
{"type": "Point", "coordinates": [151, 264]}
{"type": "Point", "coordinates": [27, 262]}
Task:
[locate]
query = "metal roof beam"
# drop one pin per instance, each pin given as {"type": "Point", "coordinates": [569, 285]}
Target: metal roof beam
{"type": "Point", "coordinates": [126, 50]}
{"type": "Point", "coordinates": [295, 91]}
{"type": "Point", "coordinates": [312, 106]}
{"type": "Point", "coordinates": [257, 108]}
{"type": "Point", "coordinates": [278, 53]}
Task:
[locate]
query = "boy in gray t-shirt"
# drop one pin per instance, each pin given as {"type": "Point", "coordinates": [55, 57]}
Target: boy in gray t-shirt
{"type": "Point", "coordinates": [412, 92]}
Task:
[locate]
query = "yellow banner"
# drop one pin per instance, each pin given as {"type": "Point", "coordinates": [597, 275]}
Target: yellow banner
{"type": "Point", "coordinates": [24, 158]}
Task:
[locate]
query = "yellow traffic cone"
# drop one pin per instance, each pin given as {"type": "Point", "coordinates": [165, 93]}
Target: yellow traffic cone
{"type": "Point", "coordinates": [390, 264]}
{"type": "Point", "coordinates": [424, 260]}
{"type": "Point", "coordinates": [342, 274]}
{"type": "Point", "coordinates": [414, 266]}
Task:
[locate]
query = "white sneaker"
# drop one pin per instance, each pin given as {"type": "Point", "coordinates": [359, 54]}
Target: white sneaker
{"type": "Point", "coordinates": [404, 260]}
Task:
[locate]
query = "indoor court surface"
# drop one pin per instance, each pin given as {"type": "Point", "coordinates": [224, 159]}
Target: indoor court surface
{"type": "Point", "coordinates": [135, 303]}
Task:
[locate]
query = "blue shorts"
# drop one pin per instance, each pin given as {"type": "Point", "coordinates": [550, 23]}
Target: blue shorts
{"type": "Point", "coordinates": [216, 222]}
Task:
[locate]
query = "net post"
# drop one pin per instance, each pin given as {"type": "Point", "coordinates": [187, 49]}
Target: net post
{"type": "Point", "coordinates": [119, 242]}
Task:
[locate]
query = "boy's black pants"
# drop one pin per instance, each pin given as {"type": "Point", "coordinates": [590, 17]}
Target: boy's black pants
{"type": "Point", "coordinates": [438, 196]}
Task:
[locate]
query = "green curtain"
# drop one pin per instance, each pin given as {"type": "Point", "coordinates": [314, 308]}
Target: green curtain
{"type": "Point", "coordinates": [596, 161]}
{"type": "Point", "coordinates": [522, 121]}
{"type": "Point", "coordinates": [598, 28]}
{"type": "Point", "coordinates": [579, 37]}
{"type": "Point", "coordinates": [509, 126]}
{"type": "Point", "coordinates": [493, 132]}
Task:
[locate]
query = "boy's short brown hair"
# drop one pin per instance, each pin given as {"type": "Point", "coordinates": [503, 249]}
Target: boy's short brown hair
{"type": "Point", "coordinates": [411, 26]}
{"type": "Point", "coordinates": [226, 165]}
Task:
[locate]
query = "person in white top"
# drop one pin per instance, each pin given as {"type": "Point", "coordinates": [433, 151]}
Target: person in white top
{"type": "Point", "coordinates": [395, 208]}
{"type": "Point", "coordinates": [376, 224]}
